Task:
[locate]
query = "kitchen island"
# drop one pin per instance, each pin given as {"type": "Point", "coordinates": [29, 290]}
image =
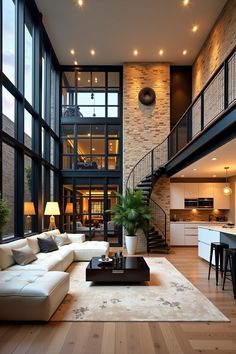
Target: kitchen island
{"type": "Point", "coordinates": [208, 234]}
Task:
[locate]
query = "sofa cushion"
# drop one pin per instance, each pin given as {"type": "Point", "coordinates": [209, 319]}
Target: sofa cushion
{"type": "Point", "coordinates": [52, 232]}
{"type": "Point", "coordinates": [47, 245]}
{"type": "Point", "coordinates": [24, 255]}
{"type": "Point", "coordinates": [44, 262]}
{"type": "Point", "coordinates": [62, 239]}
{"type": "Point", "coordinates": [88, 249]}
{"type": "Point", "coordinates": [33, 242]}
{"type": "Point", "coordinates": [76, 238]}
{"type": "Point", "coordinates": [6, 256]}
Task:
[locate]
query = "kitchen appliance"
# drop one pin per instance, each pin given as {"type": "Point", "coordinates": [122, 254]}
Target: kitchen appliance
{"type": "Point", "coordinates": [190, 203]}
{"type": "Point", "coordinates": [205, 203]}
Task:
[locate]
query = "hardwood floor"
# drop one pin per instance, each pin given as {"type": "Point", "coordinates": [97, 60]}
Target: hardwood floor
{"type": "Point", "coordinates": [138, 338]}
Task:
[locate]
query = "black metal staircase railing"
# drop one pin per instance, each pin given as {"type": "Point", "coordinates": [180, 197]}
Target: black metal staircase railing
{"type": "Point", "coordinates": [217, 96]}
{"type": "Point", "coordinates": [159, 218]}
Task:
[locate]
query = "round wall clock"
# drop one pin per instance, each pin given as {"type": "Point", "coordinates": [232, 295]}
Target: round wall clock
{"type": "Point", "coordinates": [147, 96]}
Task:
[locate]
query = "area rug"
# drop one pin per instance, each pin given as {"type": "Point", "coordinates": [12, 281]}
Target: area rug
{"type": "Point", "coordinates": [169, 296]}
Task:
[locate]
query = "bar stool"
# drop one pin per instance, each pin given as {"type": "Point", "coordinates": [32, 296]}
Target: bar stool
{"type": "Point", "coordinates": [219, 248]}
{"type": "Point", "coordinates": [230, 258]}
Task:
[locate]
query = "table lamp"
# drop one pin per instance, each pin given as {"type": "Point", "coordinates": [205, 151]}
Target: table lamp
{"type": "Point", "coordinates": [69, 208]}
{"type": "Point", "coordinates": [52, 208]}
{"type": "Point", "coordinates": [29, 210]}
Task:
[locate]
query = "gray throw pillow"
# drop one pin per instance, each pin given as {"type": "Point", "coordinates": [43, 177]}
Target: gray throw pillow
{"type": "Point", "coordinates": [62, 239]}
{"type": "Point", "coordinates": [47, 245]}
{"type": "Point", "coordinates": [23, 255]}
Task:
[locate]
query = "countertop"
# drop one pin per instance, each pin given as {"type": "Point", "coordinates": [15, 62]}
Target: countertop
{"type": "Point", "coordinates": [200, 222]}
{"type": "Point", "coordinates": [225, 230]}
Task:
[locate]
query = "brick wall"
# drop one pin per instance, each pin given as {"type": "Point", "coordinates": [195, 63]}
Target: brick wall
{"type": "Point", "coordinates": [144, 127]}
{"type": "Point", "coordinates": [220, 42]}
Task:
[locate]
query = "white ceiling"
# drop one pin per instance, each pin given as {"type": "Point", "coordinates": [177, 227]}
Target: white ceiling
{"type": "Point", "coordinates": [207, 168]}
{"type": "Point", "coordinates": [114, 28]}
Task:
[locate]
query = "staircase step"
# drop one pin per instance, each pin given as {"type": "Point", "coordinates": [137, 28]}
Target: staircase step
{"type": "Point", "coordinates": [154, 236]}
{"type": "Point", "coordinates": [144, 188]}
{"type": "Point", "coordinates": [160, 245]}
{"type": "Point", "coordinates": [156, 243]}
{"type": "Point", "coordinates": [145, 183]}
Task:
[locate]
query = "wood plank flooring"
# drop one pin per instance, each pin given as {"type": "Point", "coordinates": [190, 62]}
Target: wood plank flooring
{"type": "Point", "coordinates": [134, 338]}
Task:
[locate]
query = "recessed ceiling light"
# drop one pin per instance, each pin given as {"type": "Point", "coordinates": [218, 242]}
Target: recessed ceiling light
{"type": "Point", "coordinates": [184, 52]}
{"type": "Point", "coordinates": [214, 159]}
{"type": "Point", "coordinates": [75, 62]}
{"type": "Point", "coordinates": [89, 134]}
{"type": "Point", "coordinates": [88, 80]}
{"type": "Point", "coordinates": [182, 175]}
{"type": "Point", "coordinates": [214, 176]}
{"type": "Point", "coordinates": [72, 51]}
{"type": "Point", "coordinates": [185, 2]}
{"type": "Point", "coordinates": [92, 52]}
{"type": "Point", "coordinates": [96, 79]}
{"type": "Point", "coordinates": [195, 28]}
{"type": "Point", "coordinates": [194, 169]}
{"type": "Point", "coordinates": [79, 79]}
{"type": "Point", "coordinates": [135, 52]}
{"type": "Point", "coordinates": [161, 52]}
{"type": "Point", "coordinates": [93, 149]}
{"type": "Point", "coordinates": [80, 3]}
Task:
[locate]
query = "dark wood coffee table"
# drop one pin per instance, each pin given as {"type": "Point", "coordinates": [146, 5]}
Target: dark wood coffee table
{"type": "Point", "coordinates": [131, 269]}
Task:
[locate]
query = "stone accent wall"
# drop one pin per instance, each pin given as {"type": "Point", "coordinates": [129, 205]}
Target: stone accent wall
{"type": "Point", "coordinates": [220, 42]}
{"type": "Point", "coordinates": [144, 127]}
{"type": "Point", "coordinates": [161, 195]}
{"type": "Point", "coordinates": [199, 215]}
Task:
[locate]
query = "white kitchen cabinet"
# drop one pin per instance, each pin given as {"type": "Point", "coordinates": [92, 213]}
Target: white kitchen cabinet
{"type": "Point", "coordinates": [221, 201]}
{"type": "Point", "coordinates": [176, 234]}
{"type": "Point", "coordinates": [177, 196]}
{"type": "Point", "coordinates": [205, 237]}
{"type": "Point", "coordinates": [205, 190]}
{"type": "Point", "coordinates": [190, 190]}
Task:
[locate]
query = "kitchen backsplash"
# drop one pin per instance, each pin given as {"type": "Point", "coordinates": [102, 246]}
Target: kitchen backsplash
{"type": "Point", "coordinates": [198, 215]}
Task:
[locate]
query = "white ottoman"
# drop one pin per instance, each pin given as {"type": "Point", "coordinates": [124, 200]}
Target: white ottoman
{"type": "Point", "coordinates": [88, 249]}
{"type": "Point", "coordinates": [31, 295]}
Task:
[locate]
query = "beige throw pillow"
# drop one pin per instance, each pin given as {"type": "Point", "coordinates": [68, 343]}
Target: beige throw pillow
{"type": "Point", "coordinates": [23, 255]}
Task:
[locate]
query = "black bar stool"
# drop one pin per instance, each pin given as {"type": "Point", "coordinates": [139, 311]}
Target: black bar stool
{"type": "Point", "coordinates": [230, 259]}
{"type": "Point", "coordinates": [219, 248]}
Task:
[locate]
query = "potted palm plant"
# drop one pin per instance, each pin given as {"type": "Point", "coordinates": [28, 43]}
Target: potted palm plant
{"type": "Point", "coordinates": [4, 213]}
{"type": "Point", "coordinates": [131, 213]}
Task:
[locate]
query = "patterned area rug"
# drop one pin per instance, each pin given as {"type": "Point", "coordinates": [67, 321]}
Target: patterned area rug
{"type": "Point", "coordinates": [169, 296]}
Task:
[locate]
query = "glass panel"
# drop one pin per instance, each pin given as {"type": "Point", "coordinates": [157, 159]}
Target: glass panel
{"type": "Point", "coordinates": [52, 151]}
{"type": "Point", "coordinates": [68, 207]}
{"type": "Point", "coordinates": [8, 110]}
{"type": "Point", "coordinates": [98, 79]}
{"type": "Point", "coordinates": [68, 162]}
{"type": "Point", "coordinates": [67, 130]}
{"type": "Point", "coordinates": [52, 179]}
{"type": "Point", "coordinates": [83, 130]}
{"type": "Point", "coordinates": [90, 162]}
{"type": "Point", "coordinates": [98, 146]}
{"type": "Point", "coordinates": [113, 146]}
{"type": "Point", "coordinates": [113, 162]}
{"type": "Point", "coordinates": [83, 79]}
{"type": "Point", "coordinates": [114, 79]}
{"type": "Point", "coordinates": [83, 146]}
{"type": "Point", "coordinates": [97, 130]}
{"type": "Point", "coordinates": [112, 112]}
{"type": "Point", "coordinates": [8, 39]}
{"type": "Point", "coordinates": [8, 188]}
{"type": "Point", "coordinates": [28, 129]}
{"type": "Point", "coordinates": [113, 131]}
{"type": "Point", "coordinates": [112, 99]}
{"type": "Point", "coordinates": [53, 96]}
{"type": "Point", "coordinates": [68, 146]}
{"type": "Point", "coordinates": [28, 57]}
{"type": "Point", "coordinates": [91, 98]}
{"type": "Point", "coordinates": [93, 112]}
{"type": "Point", "coordinates": [43, 87]}
{"type": "Point", "coordinates": [43, 197]}
{"type": "Point", "coordinates": [43, 142]}
{"type": "Point", "coordinates": [29, 206]}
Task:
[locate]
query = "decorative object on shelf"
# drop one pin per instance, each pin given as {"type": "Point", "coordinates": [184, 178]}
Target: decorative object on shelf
{"type": "Point", "coordinates": [227, 190]}
{"type": "Point", "coordinates": [132, 214]}
{"type": "Point", "coordinates": [4, 213]}
{"type": "Point", "coordinates": [147, 96]}
{"type": "Point", "coordinates": [29, 210]}
{"type": "Point", "coordinates": [52, 208]}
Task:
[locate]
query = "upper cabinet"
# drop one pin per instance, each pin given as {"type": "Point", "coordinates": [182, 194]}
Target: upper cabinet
{"type": "Point", "coordinates": [177, 195]}
{"type": "Point", "coordinates": [181, 191]}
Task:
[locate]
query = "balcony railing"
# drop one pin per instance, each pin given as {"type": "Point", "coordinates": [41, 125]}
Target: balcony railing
{"type": "Point", "coordinates": [217, 96]}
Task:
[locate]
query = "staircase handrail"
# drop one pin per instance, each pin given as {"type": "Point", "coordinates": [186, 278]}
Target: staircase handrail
{"type": "Point", "coordinates": [158, 225]}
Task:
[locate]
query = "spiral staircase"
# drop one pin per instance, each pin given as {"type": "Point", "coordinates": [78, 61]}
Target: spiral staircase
{"type": "Point", "coordinates": [211, 115]}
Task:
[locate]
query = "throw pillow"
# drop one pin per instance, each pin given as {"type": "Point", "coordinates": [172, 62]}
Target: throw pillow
{"type": "Point", "coordinates": [23, 255]}
{"type": "Point", "coordinates": [62, 239]}
{"type": "Point", "coordinates": [47, 245]}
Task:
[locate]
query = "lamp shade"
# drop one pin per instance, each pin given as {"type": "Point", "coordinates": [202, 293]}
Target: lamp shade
{"type": "Point", "coordinates": [29, 208]}
{"type": "Point", "coordinates": [52, 208]}
{"type": "Point", "coordinates": [69, 208]}
{"type": "Point", "coordinates": [227, 190]}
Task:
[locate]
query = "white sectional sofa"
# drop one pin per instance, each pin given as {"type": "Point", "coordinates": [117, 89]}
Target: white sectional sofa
{"type": "Point", "coordinates": [34, 291]}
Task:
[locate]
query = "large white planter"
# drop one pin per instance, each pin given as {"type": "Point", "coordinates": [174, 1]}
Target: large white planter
{"type": "Point", "coordinates": [131, 244]}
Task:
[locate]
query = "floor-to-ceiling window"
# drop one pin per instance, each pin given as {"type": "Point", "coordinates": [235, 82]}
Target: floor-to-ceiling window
{"type": "Point", "coordinates": [91, 136]}
{"type": "Point", "coordinates": [29, 129]}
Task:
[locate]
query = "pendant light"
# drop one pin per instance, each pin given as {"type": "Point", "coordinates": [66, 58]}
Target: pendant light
{"type": "Point", "coordinates": [227, 190]}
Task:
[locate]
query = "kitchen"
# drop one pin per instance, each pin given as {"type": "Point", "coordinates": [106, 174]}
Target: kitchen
{"type": "Point", "coordinates": [199, 198]}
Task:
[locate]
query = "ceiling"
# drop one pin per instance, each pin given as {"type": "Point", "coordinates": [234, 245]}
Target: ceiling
{"type": "Point", "coordinates": [114, 28]}
{"type": "Point", "coordinates": [206, 167]}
